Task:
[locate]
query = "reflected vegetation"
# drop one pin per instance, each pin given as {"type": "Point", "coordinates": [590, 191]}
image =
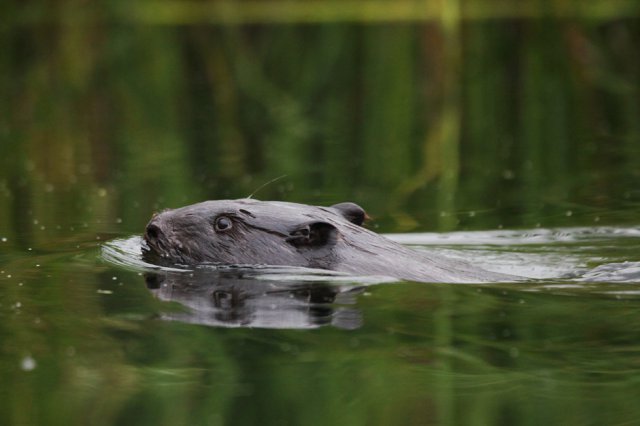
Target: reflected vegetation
{"type": "Point", "coordinates": [431, 124]}
{"type": "Point", "coordinates": [560, 355]}
{"type": "Point", "coordinates": [434, 116]}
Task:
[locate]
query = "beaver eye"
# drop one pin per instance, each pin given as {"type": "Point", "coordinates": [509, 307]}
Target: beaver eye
{"type": "Point", "coordinates": [223, 223]}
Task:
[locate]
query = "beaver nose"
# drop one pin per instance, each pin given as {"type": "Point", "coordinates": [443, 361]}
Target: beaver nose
{"type": "Point", "coordinates": [153, 233]}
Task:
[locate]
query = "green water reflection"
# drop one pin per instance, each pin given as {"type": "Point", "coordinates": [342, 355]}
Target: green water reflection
{"type": "Point", "coordinates": [444, 116]}
{"type": "Point", "coordinates": [424, 354]}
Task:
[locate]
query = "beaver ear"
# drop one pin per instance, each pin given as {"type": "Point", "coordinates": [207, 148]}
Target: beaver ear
{"type": "Point", "coordinates": [352, 212]}
{"type": "Point", "coordinates": [313, 234]}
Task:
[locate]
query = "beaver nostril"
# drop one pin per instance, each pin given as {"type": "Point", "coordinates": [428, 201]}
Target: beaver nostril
{"type": "Point", "coordinates": [153, 232]}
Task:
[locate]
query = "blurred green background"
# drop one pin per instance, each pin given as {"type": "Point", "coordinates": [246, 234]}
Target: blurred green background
{"type": "Point", "coordinates": [433, 115]}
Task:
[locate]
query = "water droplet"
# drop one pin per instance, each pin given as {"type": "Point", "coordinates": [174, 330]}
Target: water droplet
{"type": "Point", "coordinates": [118, 220]}
{"type": "Point", "coordinates": [28, 363]}
{"type": "Point", "coordinates": [4, 239]}
{"type": "Point", "coordinates": [568, 213]}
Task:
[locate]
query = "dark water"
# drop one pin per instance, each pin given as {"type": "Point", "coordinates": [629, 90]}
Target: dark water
{"type": "Point", "coordinates": [509, 138]}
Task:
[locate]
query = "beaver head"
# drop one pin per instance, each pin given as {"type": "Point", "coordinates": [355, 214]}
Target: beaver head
{"type": "Point", "coordinates": [249, 231]}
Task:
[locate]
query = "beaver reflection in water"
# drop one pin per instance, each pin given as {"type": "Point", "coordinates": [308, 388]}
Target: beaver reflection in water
{"type": "Point", "coordinates": [252, 232]}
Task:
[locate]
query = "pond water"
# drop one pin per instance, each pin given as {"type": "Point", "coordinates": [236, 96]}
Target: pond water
{"type": "Point", "coordinates": [508, 138]}
{"type": "Point", "coordinates": [94, 334]}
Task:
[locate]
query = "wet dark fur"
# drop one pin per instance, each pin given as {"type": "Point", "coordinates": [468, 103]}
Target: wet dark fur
{"type": "Point", "coordinates": [280, 233]}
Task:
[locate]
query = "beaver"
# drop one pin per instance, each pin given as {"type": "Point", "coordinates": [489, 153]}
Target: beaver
{"type": "Point", "coordinates": [253, 232]}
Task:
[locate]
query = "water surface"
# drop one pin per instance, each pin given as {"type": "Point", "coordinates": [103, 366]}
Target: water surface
{"type": "Point", "coordinates": [93, 333]}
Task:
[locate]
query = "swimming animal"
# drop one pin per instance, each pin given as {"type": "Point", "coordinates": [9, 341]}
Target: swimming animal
{"type": "Point", "coordinates": [253, 232]}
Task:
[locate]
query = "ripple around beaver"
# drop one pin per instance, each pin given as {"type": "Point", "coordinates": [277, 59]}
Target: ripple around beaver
{"type": "Point", "coordinates": [565, 261]}
{"type": "Point", "coordinates": [561, 256]}
{"type": "Point", "coordinates": [249, 295]}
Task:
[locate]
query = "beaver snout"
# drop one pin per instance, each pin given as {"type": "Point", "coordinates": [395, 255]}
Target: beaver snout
{"type": "Point", "coordinates": [161, 241]}
{"type": "Point", "coordinates": [153, 233]}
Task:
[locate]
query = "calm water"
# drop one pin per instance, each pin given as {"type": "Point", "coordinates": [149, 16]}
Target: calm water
{"type": "Point", "coordinates": [509, 138]}
{"type": "Point", "coordinates": [91, 334]}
